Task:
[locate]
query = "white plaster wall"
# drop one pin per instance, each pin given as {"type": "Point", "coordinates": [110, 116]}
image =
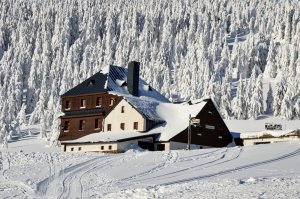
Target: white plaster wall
{"type": "Point", "coordinates": [249, 142]}
{"type": "Point", "coordinates": [91, 147]}
{"type": "Point", "coordinates": [130, 115]}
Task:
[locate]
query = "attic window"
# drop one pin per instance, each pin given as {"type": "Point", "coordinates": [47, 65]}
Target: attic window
{"type": "Point", "coordinates": [111, 101]}
{"type": "Point", "coordinates": [135, 125]}
{"type": "Point", "coordinates": [124, 84]}
{"type": "Point", "coordinates": [122, 109]}
{"type": "Point", "coordinates": [122, 126]}
{"type": "Point", "coordinates": [108, 127]}
{"type": "Point", "coordinates": [91, 83]}
{"type": "Point", "coordinates": [210, 127]}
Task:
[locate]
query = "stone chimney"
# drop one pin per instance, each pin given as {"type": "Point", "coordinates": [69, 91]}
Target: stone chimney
{"type": "Point", "coordinates": [133, 78]}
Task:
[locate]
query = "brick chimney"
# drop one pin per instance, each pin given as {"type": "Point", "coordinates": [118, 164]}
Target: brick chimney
{"type": "Point", "coordinates": [133, 78]}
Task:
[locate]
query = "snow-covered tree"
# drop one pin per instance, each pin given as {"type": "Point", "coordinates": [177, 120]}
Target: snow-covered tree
{"type": "Point", "coordinates": [22, 115]}
{"type": "Point", "coordinates": [269, 101]}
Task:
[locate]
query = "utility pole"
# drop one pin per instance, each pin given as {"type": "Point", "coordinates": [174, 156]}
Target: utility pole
{"type": "Point", "coordinates": [189, 133]}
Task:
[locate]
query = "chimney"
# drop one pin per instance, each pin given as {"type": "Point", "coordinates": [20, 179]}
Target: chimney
{"type": "Point", "coordinates": [133, 78]}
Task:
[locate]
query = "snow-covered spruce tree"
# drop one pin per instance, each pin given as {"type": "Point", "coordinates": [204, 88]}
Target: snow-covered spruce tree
{"type": "Point", "coordinates": [55, 130]}
{"type": "Point", "coordinates": [22, 115]}
{"type": "Point", "coordinates": [279, 92]}
{"type": "Point", "coordinates": [3, 135]}
{"type": "Point", "coordinates": [239, 102]}
{"type": "Point", "coordinates": [270, 100]}
{"type": "Point", "coordinates": [43, 133]}
{"type": "Point", "coordinates": [256, 101]}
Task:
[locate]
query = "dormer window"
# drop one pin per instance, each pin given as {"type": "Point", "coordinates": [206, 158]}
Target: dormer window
{"type": "Point", "coordinates": [82, 103]}
{"type": "Point", "coordinates": [98, 101]}
{"type": "Point", "coordinates": [111, 101]}
{"type": "Point", "coordinates": [68, 105]}
{"type": "Point", "coordinates": [91, 83]}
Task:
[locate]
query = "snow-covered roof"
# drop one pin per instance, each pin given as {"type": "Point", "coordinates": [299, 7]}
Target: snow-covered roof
{"type": "Point", "coordinates": [146, 107]}
{"type": "Point", "coordinates": [117, 84]}
{"type": "Point", "coordinates": [110, 137]}
{"type": "Point", "coordinates": [272, 133]}
{"type": "Point", "coordinates": [176, 117]}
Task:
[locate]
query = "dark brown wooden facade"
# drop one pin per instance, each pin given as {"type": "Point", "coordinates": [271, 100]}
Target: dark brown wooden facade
{"type": "Point", "coordinates": [211, 132]}
{"type": "Point", "coordinates": [84, 114]}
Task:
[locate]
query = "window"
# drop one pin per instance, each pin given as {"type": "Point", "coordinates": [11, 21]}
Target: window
{"type": "Point", "coordinates": [122, 126]}
{"type": "Point", "coordinates": [79, 148]}
{"type": "Point", "coordinates": [98, 101]}
{"type": "Point", "coordinates": [210, 110]}
{"type": "Point", "coordinates": [72, 149]}
{"type": "Point", "coordinates": [68, 105]}
{"type": "Point", "coordinates": [81, 124]}
{"type": "Point", "coordinates": [209, 127]}
{"type": "Point", "coordinates": [111, 102]}
{"type": "Point", "coordinates": [102, 147]}
{"type": "Point", "coordinates": [82, 103]}
{"type": "Point", "coordinates": [67, 126]}
{"type": "Point", "coordinates": [109, 147]}
{"type": "Point", "coordinates": [97, 123]}
{"type": "Point", "coordinates": [135, 125]}
{"type": "Point", "coordinates": [108, 127]}
{"type": "Point", "coordinates": [122, 109]}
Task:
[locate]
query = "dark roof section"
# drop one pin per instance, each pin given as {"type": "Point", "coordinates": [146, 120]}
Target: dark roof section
{"type": "Point", "coordinates": [116, 73]}
{"type": "Point", "coordinates": [112, 78]}
{"type": "Point", "coordinates": [84, 112]}
{"type": "Point", "coordinates": [94, 84]}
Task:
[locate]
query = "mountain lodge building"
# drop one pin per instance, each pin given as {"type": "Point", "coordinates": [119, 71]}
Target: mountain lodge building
{"type": "Point", "coordinates": [114, 109]}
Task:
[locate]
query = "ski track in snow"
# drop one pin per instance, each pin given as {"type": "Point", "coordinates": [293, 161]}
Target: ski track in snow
{"type": "Point", "coordinates": [90, 178]}
{"type": "Point", "coordinates": [247, 166]}
{"type": "Point", "coordinates": [222, 156]}
{"type": "Point", "coordinates": [172, 158]}
{"type": "Point", "coordinates": [6, 182]}
{"type": "Point", "coordinates": [69, 180]}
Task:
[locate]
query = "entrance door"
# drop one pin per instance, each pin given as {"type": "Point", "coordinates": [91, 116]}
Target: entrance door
{"type": "Point", "coordinates": [160, 147]}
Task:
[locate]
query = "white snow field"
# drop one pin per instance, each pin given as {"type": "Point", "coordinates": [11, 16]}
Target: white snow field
{"type": "Point", "coordinates": [261, 171]}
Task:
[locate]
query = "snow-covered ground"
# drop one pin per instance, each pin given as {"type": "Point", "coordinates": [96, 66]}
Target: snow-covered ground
{"type": "Point", "coordinates": [262, 171]}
